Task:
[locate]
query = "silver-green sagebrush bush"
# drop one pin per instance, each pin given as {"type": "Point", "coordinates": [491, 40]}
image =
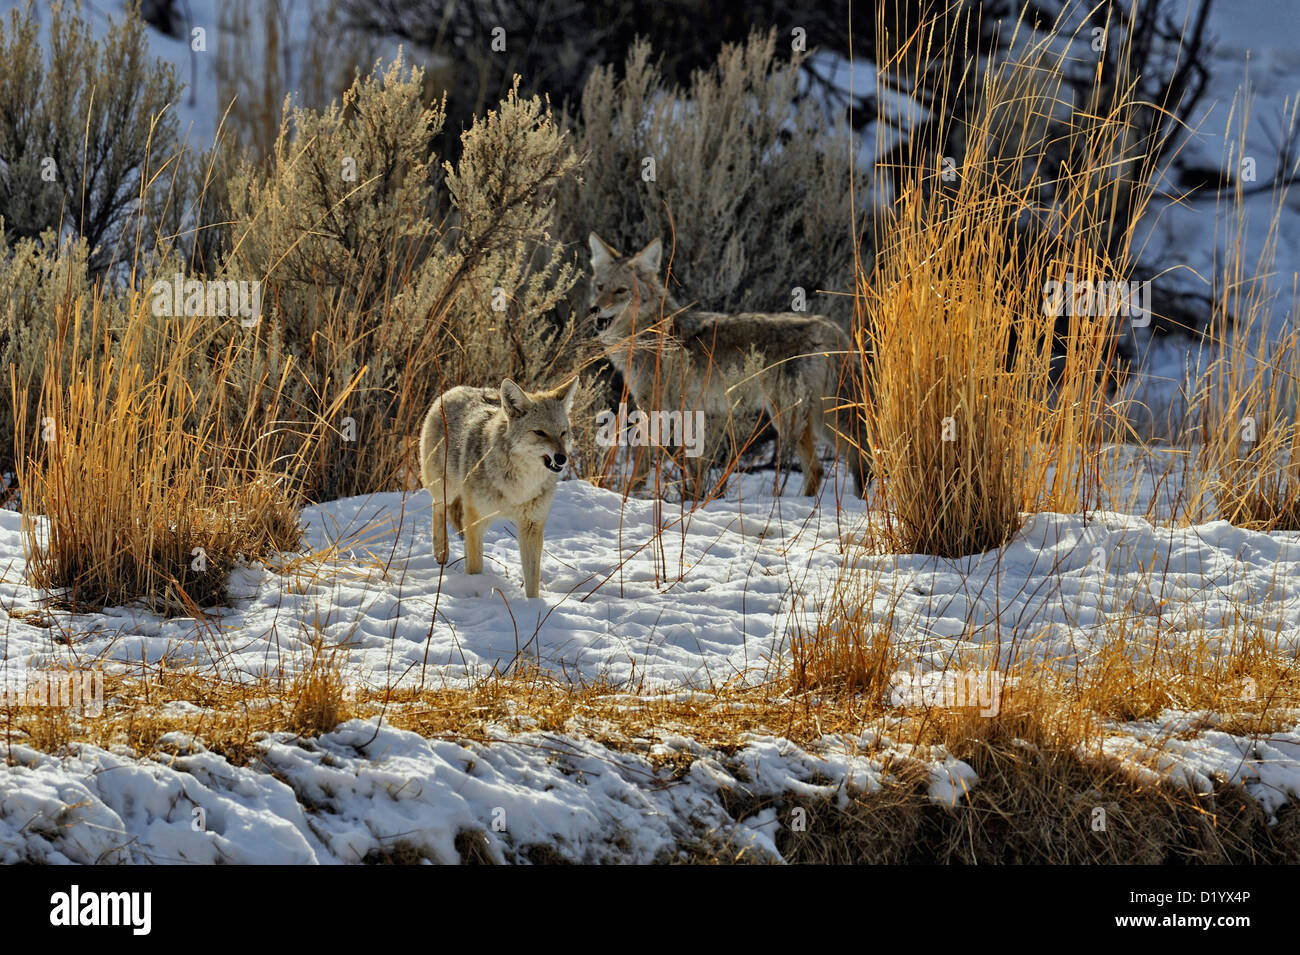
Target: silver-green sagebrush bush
{"type": "Point", "coordinates": [749, 186]}
{"type": "Point", "coordinates": [380, 264]}
{"type": "Point", "coordinates": [81, 129]}
{"type": "Point", "coordinates": [41, 279]}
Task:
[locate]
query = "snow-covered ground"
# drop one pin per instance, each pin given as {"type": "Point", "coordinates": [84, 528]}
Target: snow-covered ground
{"type": "Point", "coordinates": [712, 596]}
{"type": "Point", "coordinates": [366, 788]}
{"type": "Point", "coordinates": [708, 598]}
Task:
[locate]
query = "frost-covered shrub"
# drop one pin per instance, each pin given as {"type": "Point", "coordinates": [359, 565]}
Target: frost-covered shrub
{"type": "Point", "coordinates": [389, 277]}
{"type": "Point", "coordinates": [81, 129]}
{"type": "Point", "coordinates": [750, 189]}
{"type": "Point", "coordinates": [40, 279]}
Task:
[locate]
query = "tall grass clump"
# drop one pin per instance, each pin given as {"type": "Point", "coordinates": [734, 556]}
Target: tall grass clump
{"type": "Point", "coordinates": [140, 481]}
{"type": "Point", "coordinates": [141, 476]}
{"type": "Point", "coordinates": [1248, 460]}
{"type": "Point", "coordinates": [319, 696]}
{"type": "Point", "coordinates": [845, 652]}
{"type": "Point", "coordinates": [982, 358]}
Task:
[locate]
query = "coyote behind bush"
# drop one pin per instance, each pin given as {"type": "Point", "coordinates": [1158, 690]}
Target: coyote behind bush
{"type": "Point", "coordinates": [491, 454]}
{"type": "Point", "coordinates": [789, 364]}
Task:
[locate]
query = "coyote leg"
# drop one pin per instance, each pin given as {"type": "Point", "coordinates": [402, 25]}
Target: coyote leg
{"type": "Point", "coordinates": [439, 530]}
{"type": "Point", "coordinates": [530, 555]}
{"type": "Point", "coordinates": [806, 447]}
{"type": "Point", "coordinates": [475, 525]}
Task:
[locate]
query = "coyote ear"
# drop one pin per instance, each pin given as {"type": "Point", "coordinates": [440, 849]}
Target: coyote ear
{"type": "Point", "coordinates": [568, 394]}
{"type": "Point", "coordinates": [513, 399]}
{"type": "Point", "coordinates": [650, 256]}
{"type": "Point", "coordinates": [601, 252]}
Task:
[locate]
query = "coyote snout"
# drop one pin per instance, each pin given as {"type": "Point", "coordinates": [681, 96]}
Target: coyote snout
{"type": "Point", "coordinates": [599, 320]}
{"type": "Point", "coordinates": [493, 454]}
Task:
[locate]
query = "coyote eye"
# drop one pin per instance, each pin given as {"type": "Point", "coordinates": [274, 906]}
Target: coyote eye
{"type": "Point", "coordinates": [539, 433]}
{"type": "Point", "coordinates": [621, 290]}
{"type": "Point", "coordinates": [599, 287]}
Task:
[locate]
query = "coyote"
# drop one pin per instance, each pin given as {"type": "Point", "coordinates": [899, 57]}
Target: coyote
{"type": "Point", "coordinates": [491, 454]}
{"type": "Point", "coordinates": [789, 364]}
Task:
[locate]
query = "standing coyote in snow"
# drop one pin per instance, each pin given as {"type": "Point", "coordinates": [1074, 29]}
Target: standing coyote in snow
{"type": "Point", "coordinates": [491, 454]}
{"type": "Point", "coordinates": [790, 365]}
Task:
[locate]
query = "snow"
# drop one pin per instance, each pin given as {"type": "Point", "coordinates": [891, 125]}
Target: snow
{"type": "Point", "coordinates": [696, 609]}
{"type": "Point", "coordinates": [369, 788]}
{"type": "Point", "coordinates": [734, 581]}
{"type": "Point", "coordinates": [1264, 767]}
{"type": "Point", "coordinates": [714, 597]}
{"type": "Point", "coordinates": [644, 596]}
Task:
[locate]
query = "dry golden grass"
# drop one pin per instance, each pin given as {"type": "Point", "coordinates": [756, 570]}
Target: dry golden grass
{"type": "Point", "coordinates": [1246, 681]}
{"type": "Point", "coordinates": [1227, 430]}
{"type": "Point", "coordinates": [1042, 768]}
{"type": "Point", "coordinates": [1249, 456]}
{"type": "Point", "coordinates": [46, 728]}
{"type": "Point", "coordinates": [971, 422]}
{"type": "Point", "coordinates": [844, 652]}
{"type": "Point", "coordinates": [1239, 672]}
{"type": "Point", "coordinates": [1040, 783]}
{"type": "Point", "coordinates": [152, 483]}
{"type": "Point", "coordinates": [319, 694]}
